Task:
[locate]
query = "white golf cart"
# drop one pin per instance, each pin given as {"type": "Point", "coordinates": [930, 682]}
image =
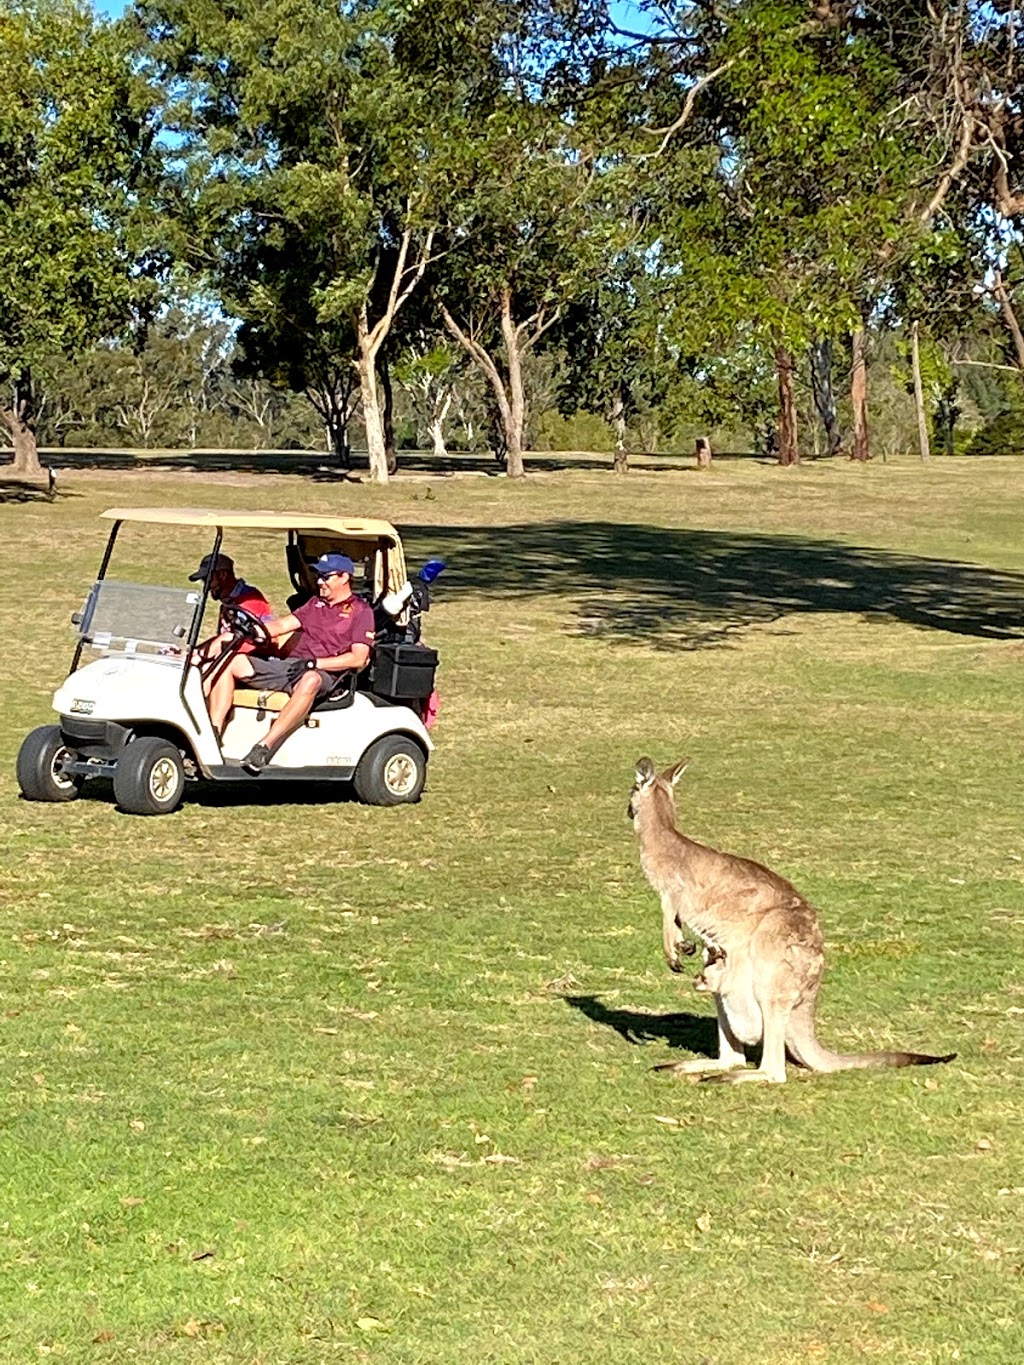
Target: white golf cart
{"type": "Point", "coordinates": [133, 707]}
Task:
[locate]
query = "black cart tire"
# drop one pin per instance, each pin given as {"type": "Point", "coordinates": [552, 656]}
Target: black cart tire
{"type": "Point", "coordinates": [39, 775]}
{"type": "Point", "coordinates": [149, 778]}
{"type": "Point", "coordinates": [391, 772]}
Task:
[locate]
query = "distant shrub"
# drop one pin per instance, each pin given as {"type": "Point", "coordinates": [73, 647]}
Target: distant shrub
{"type": "Point", "coordinates": [1001, 435]}
{"type": "Point", "coordinates": [582, 431]}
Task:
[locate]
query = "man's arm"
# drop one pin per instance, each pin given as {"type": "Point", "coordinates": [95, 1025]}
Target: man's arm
{"type": "Point", "coordinates": [355, 658]}
{"type": "Point", "coordinates": [281, 625]}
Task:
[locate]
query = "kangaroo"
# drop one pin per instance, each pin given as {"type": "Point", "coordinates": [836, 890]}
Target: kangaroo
{"type": "Point", "coordinates": [765, 955]}
{"type": "Point", "coordinates": [713, 976]}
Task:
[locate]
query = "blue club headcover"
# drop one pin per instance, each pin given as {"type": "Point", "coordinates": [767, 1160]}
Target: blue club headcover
{"type": "Point", "coordinates": [430, 570]}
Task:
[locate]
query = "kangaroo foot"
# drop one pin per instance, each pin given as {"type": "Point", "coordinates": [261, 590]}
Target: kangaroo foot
{"type": "Point", "coordinates": [741, 1077]}
{"type": "Point", "coordinates": [697, 1066]}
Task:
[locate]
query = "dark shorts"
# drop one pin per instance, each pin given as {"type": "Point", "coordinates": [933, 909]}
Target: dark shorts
{"type": "Point", "coordinates": [281, 675]}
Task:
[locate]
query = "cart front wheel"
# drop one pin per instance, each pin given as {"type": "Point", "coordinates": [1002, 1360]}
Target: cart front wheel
{"type": "Point", "coordinates": [149, 778]}
{"type": "Point", "coordinates": [40, 776]}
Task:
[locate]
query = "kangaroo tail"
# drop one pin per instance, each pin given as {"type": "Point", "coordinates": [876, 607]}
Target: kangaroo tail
{"type": "Point", "coordinates": [803, 1045]}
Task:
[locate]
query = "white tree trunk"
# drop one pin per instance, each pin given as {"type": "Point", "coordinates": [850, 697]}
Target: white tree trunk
{"type": "Point", "coordinates": [436, 429]}
{"type": "Point", "coordinates": [435, 426]}
{"type": "Point", "coordinates": [617, 418]}
{"type": "Point", "coordinates": [514, 411]}
{"type": "Point", "coordinates": [859, 397]}
{"type": "Point", "coordinates": [373, 419]}
{"type": "Point", "coordinates": [922, 418]}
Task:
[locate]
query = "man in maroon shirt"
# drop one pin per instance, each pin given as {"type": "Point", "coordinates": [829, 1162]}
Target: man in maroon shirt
{"type": "Point", "coordinates": [335, 635]}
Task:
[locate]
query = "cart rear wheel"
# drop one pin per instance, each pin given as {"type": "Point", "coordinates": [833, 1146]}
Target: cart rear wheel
{"type": "Point", "coordinates": [391, 772]}
{"type": "Point", "coordinates": [149, 778]}
{"type": "Point", "coordinates": [39, 772]}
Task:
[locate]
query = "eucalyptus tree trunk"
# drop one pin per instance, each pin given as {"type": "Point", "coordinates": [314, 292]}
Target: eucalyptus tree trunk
{"type": "Point", "coordinates": [507, 391]}
{"type": "Point", "coordinates": [338, 441]}
{"type": "Point", "coordinates": [402, 279]}
{"type": "Point", "coordinates": [824, 397]}
{"type": "Point", "coordinates": [513, 411]}
{"type": "Point", "coordinates": [859, 397]}
{"type": "Point", "coordinates": [1009, 316]}
{"type": "Point", "coordinates": [388, 413]}
{"type": "Point", "coordinates": [373, 418]}
{"type": "Point", "coordinates": [617, 418]}
{"type": "Point", "coordinates": [789, 451]}
{"type": "Point", "coordinates": [435, 426]}
{"type": "Point", "coordinates": [333, 400]}
{"type": "Point", "coordinates": [19, 418]}
{"type": "Point", "coordinates": [922, 417]}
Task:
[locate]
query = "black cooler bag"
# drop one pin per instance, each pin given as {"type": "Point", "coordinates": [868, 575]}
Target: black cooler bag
{"type": "Point", "coordinates": [403, 671]}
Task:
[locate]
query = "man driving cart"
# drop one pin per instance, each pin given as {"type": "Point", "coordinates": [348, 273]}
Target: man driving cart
{"type": "Point", "coordinates": [333, 634]}
{"type": "Point", "coordinates": [230, 591]}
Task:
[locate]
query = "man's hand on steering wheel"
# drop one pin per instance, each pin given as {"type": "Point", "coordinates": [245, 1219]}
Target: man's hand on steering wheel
{"type": "Point", "coordinates": [244, 624]}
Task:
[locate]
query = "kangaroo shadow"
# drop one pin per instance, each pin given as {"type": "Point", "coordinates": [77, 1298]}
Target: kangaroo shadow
{"type": "Point", "coordinates": [695, 1032]}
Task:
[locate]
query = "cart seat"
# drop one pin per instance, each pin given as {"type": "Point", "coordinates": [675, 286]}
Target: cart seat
{"type": "Point", "coordinates": [260, 701]}
{"type": "Point", "coordinates": [342, 696]}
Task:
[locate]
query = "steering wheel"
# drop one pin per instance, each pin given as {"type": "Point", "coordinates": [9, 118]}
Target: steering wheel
{"type": "Point", "coordinates": [245, 624]}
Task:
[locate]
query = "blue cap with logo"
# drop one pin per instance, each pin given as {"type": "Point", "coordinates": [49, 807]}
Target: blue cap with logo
{"type": "Point", "coordinates": [332, 564]}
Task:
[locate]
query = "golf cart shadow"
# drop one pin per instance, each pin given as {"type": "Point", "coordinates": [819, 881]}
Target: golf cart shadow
{"type": "Point", "coordinates": [226, 795]}
{"type": "Point", "coordinates": [229, 795]}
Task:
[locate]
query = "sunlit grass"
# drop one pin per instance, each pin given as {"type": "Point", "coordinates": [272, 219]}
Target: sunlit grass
{"type": "Point", "coordinates": [295, 1082]}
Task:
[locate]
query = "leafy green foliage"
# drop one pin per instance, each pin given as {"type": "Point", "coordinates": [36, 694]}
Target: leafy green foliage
{"type": "Point", "coordinates": [176, 386]}
{"type": "Point", "coordinates": [78, 243]}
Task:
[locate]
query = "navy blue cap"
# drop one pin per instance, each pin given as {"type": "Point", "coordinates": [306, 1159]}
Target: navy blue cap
{"type": "Point", "coordinates": [333, 564]}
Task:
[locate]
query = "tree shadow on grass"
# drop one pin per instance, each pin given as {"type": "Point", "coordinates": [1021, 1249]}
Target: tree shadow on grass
{"type": "Point", "coordinates": [683, 589]}
{"type": "Point", "coordinates": [32, 489]}
{"type": "Point", "coordinates": [321, 466]}
{"type": "Point", "coordinates": [21, 490]}
{"type": "Point", "coordinates": [695, 1032]}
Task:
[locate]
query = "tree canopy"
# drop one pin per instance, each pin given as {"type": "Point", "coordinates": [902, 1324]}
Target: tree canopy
{"type": "Point", "coordinates": [78, 241]}
{"type": "Point", "coordinates": [740, 209]}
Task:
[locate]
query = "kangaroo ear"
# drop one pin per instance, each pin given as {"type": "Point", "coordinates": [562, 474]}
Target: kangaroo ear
{"type": "Point", "coordinates": [644, 772]}
{"type": "Point", "coordinates": [674, 774]}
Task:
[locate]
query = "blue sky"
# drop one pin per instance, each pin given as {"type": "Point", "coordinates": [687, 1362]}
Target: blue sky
{"type": "Point", "coordinates": [626, 12]}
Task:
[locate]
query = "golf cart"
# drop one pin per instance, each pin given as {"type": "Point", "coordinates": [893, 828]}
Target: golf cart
{"type": "Point", "coordinates": [133, 707]}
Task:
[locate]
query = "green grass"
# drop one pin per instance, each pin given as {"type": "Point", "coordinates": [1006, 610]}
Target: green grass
{"type": "Point", "coordinates": [295, 1082]}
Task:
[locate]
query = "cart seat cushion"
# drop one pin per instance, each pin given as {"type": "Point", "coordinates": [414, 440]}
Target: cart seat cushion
{"type": "Point", "coordinates": [260, 701]}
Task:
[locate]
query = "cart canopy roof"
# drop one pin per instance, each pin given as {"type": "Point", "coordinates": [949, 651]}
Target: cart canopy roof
{"type": "Point", "coordinates": [346, 527]}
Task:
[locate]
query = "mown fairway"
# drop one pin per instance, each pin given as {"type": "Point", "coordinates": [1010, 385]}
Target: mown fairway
{"type": "Point", "coordinates": [302, 1082]}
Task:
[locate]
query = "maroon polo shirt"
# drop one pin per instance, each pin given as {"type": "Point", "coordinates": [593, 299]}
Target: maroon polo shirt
{"type": "Point", "coordinates": [329, 630]}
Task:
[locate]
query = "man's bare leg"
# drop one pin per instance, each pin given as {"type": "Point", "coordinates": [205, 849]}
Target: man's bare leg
{"type": "Point", "coordinates": [295, 710]}
{"type": "Point", "coordinates": [222, 693]}
{"type": "Point", "coordinates": [291, 716]}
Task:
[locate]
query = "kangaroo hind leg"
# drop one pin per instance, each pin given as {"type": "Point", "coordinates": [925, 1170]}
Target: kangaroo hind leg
{"type": "Point", "coordinates": [730, 1054]}
{"type": "Point", "coordinates": [772, 1070]}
